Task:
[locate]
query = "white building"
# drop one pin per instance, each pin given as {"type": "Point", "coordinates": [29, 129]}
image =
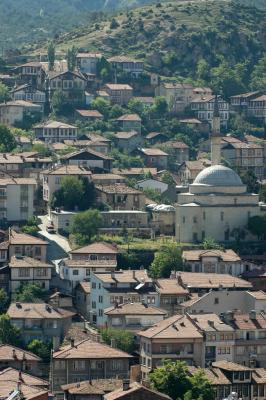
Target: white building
{"type": "Point", "coordinates": [55, 131]}
{"type": "Point", "coordinates": [87, 62]}
{"type": "Point", "coordinates": [62, 219]}
{"type": "Point", "coordinates": [17, 199]}
{"type": "Point", "coordinates": [217, 204]}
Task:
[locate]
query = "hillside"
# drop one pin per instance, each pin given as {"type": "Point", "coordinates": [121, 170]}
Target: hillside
{"type": "Point", "coordinates": [182, 39]}
{"type": "Point", "coordinates": [24, 21]}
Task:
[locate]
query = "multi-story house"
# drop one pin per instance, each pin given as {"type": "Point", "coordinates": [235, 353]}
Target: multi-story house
{"type": "Point", "coordinates": [257, 108]}
{"type": "Point", "coordinates": [52, 178]}
{"type": "Point", "coordinates": [32, 73]}
{"type": "Point", "coordinates": [218, 337]}
{"type": "Point", "coordinates": [96, 257]}
{"type": "Point", "coordinates": [203, 107]}
{"type": "Point", "coordinates": [177, 95]}
{"type": "Point", "coordinates": [119, 287]}
{"type": "Point", "coordinates": [88, 158]}
{"type": "Point", "coordinates": [135, 221]}
{"type": "Point", "coordinates": [175, 338]}
{"type": "Point", "coordinates": [12, 374]}
{"type": "Point", "coordinates": [126, 64]}
{"type": "Point", "coordinates": [20, 359]}
{"type": "Point", "coordinates": [87, 360]}
{"type": "Point", "coordinates": [127, 141]}
{"type": "Point", "coordinates": [156, 138]}
{"type": "Point", "coordinates": [91, 390]}
{"type": "Point", "coordinates": [240, 102]}
{"type": "Point", "coordinates": [17, 199]}
{"type": "Point", "coordinates": [171, 295]}
{"type": "Point", "coordinates": [189, 170]}
{"type": "Point", "coordinates": [29, 92]}
{"type": "Point", "coordinates": [21, 244]}
{"type": "Point", "coordinates": [213, 261]}
{"type": "Point", "coordinates": [11, 165]}
{"type": "Point", "coordinates": [10, 388]}
{"type": "Point", "coordinates": [179, 150]}
{"type": "Point", "coordinates": [40, 321]}
{"type": "Point", "coordinates": [120, 197]}
{"type": "Point", "coordinates": [82, 296]}
{"type": "Point", "coordinates": [88, 115]}
{"type": "Point", "coordinates": [133, 316]}
{"type": "Point", "coordinates": [250, 337]}
{"type": "Point", "coordinates": [241, 154]}
{"type": "Point", "coordinates": [25, 269]}
{"type": "Point", "coordinates": [130, 122]}
{"type": "Point", "coordinates": [87, 62]}
{"type": "Point", "coordinates": [72, 83]}
{"type": "Point", "coordinates": [154, 158]}
{"type": "Point", "coordinates": [119, 93]}
{"type": "Point", "coordinates": [16, 111]}
{"type": "Point", "coordinates": [55, 131]}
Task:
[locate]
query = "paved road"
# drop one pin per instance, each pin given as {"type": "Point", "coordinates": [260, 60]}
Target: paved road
{"type": "Point", "coordinates": [59, 246]}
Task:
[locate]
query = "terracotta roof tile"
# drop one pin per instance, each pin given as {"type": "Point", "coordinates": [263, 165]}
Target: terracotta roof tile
{"type": "Point", "coordinates": [26, 262]}
{"type": "Point", "coordinates": [134, 309]}
{"type": "Point", "coordinates": [211, 281]}
{"type": "Point", "coordinates": [136, 391]}
{"type": "Point", "coordinates": [36, 311]}
{"type": "Point", "coordinates": [12, 374]}
{"type": "Point", "coordinates": [93, 387]}
{"type": "Point", "coordinates": [224, 255]}
{"type": "Point", "coordinates": [129, 117]}
{"type": "Point", "coordinates": [11, 353]}
{"type": "Point", "coordinates": [229, 366]}
{"type": "Point", "coordinates": [170, 286]}
{"type": "Point", "coordinates": [90, 113]}
{"type": "Point", "coordinates": [153, 152]}
{"type": "Point", "coordinates": [96, 248]}
{"type": "Point", "coordinates": [16, 238]}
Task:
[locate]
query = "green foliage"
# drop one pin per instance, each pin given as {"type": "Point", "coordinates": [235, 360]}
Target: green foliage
{"type": "Point", "coordinates": [9, 334]}
{"type": "Point", "coordinates": [74, 193]}
{"type": "Point", "coordinates": [173, 379]}
{"type": "Point", "coordinates": [71, 58]}
{"type": "Point", "coordinates": [41, 349]}
{"type": "Point", "coordinates": [42, 150]}
{"type": "Point", "coordinates": [85, 225]}
{"type": "Point", "coordinates": [210, 244]}
{"type": "Point", "coordinates": [31, 228]}
{"type": "Point", "coordinates": [29, 293]}
{"type": "Point", "coordinates": [153, 194]}
{"type": "Point", "coordinates": [124, 160]}
{"type": "Point", "coordinates": [136, 106]}
{"type": "Point", "coordinates": [7, 139]}
{"type": "Point", "coordinates": [168, 179]}
{"type": "Point", "coordinates": [51, 55]}
{"type": "Point", "coordinates": [258, 76]}
{"type": "Point", "coordinates": [4, 93]}
{"type": "Point", "coordinates": [257, 226]}
{"type": "Point", "coordinates": [103, 69]}
{"type": "Point", "coordinates": [262, 193]}
{"type": "Point", "coordinates": [114, 24]}
{"type": "Point", "coordinates": [168, 259]}
{"type": "Point", "coordinates": [102, 105]}
{"type": "Point", "coordinates": [160, 107]}
{"type": "Point", "coordinates": [3, 301]}
{"type": "Point", "coordinates": [124, 340]}
{"type": "Point", "coordinates": [249, 178]}
{"type": "Point", "coordinates": [59, 102]}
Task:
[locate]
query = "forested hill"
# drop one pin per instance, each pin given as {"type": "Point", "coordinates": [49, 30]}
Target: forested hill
{"type": "Point", "coordinates": [208, 41]}
{"type": "Point", "coordinates": [24, 21]}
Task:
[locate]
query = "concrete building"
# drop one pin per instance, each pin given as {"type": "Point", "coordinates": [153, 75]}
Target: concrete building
{"type": "Point", "coordinates": [119, 287]}
{"type": "Point", "coordinates": [171, 295]}
{"type": "Point", "coordinates": [14, 112]}
{"type": "Point", "coordinates": [62, 220]}
{"type": "Point", "coordinates": [257, 108]}
{"type": "Point", "coordinates": [120, 197]}
{"type": "Point", "coordinates": [240, 102]}
{"type": "Point", "coordinates": [189, 170]}
{"type": "Point", "coordinates": [177, 149]}
{"type": "Point", "coordinates": [55, 131]}
{"type": "Point", "coordinates": [29, 270]}
{"type": "Point", "coordinates": [134, 221]}
{"type": "Point", "coordinates": [154, 158]}
{"type": "Point", "coordinates": [213, 261]}
{"type": "Point", "coordinates": [133, 316]}
{"type": "Point", "coordinates": [126, 64]}
{"type": "Point", "coordinates": [203, 109]}
{"type": "Point", "coordinates": [82, 295]}
{"type": "Point", "coordinates": [127, 141]}
{"type": "Point", "coordinates": [17, 197]}
{"type": "Point", "coordinates": [87, 62]}
{"type": "Point", "coordinates": [119, 93]}
{"type": "Point", "coordinates": [177, 95]}
{"type": "Point", "coordinates": [86, 360]}
{"type": "Point", "coordinates": [19, 359]}
{"type": "Point", "coordinates": [175, 338]}
{"type": "Point", "coordinates": [52, 178]}
{"type": "Point", "coordinates": [129, 122]}
{"type": "Point", "coordinates": [28, 92]}
{"type": "Point", "coordinates": [88, 158]}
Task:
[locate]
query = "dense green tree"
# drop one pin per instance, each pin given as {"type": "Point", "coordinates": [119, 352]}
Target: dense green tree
{"type": "Point", "coordinates": [249, 178]}
{"type": "Point", "coordinates": [29, 293]}
{"type": "Point", "coordinates": [3, 301]}
{"type": "Point", "coordinates": [209, 243]}
{"type": "Point", "coordinates": [257, 226]}
{"type": "Point", "coordinates": [168, 179]}
{"type": "Point", "coordinates": [9, 334]}
{"type": "Point", "coordinates": [85, 225]}
{"type": "Point", "coordinates": [168, 259]}
{"type": "Point", "coordinates": [4, 93]}
{"type": "Point", "coordinates": [102, 105]}
{"type": "Point", "coordinates": [258, 76]}
{"type": "Point", "coordinates": [116, 111]}
{"type": "Point", "coordinates": [103, 69]}
{"type": "Point", "coordinates": [123, 340]}
{"type": "Point", "coordinates": [136, 106]}
{"type": "Point", "coordinates": [262, 193]}
{"type": "Point", "coordinates": [114, 24]}
{"type": "Point", "coordinates": [31, 228]}
{"type": "Point", "coordinates": [71, 58]}
{"type": "Point", "coordinates": [41, 349]}
{"type": "Point", "coordinates": [201, 387]}
{"type": "Point", "coordinates": [7, 139]}
{"type": "Point", "coordinates": [58, 102]}
{"type": "Point", "coordinates": [42, 149]}
{"type": "Point", "coordinates": [160, 107]}
{"type": "Point", "coordinates": [51, 55]}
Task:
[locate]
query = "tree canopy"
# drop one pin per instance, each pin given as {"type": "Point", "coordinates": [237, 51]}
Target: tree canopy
{"type": "Point", "coordinates": [41, 349]}
{"type": "Point", "coordinates": [257, 226]}
{"type": "Point", "coordinates": [124, 340]}
{"type": "Point", "coordinates": [85, 225]}
{"type": "Point", "coordinates": [9, 334]}
{"type": "Point", "coordinates": [29, 293]}
{"type": "Point", "coordinates": [168, 259]}
{"type": "Point", "coordinates": [7, 139]}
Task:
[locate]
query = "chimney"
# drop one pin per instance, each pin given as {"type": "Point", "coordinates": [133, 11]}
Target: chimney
{"type": "Point", "coordinates": [14, 353]}
{"type": "Point", "coordinates": [126, 385]}
{"type": "Point", "coordinates": [252, 314]}
{"type": "Point", "coordinates": [134, 274]}
{"type": "Point", "coordinates": [20, 375]}
{"type": "Point", "coordinates": [19, 386]}
{"type": "Point", "coordinates": [72, 343]}
{"type": "Point", "coordinates": [211, 323]}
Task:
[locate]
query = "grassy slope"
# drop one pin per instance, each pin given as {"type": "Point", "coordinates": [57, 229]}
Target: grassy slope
{"type": "Point", "coordinates": [190, 31]}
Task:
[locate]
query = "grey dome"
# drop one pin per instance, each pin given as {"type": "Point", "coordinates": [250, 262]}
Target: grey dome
{"type": "Point", "coordinates": [218, 175]}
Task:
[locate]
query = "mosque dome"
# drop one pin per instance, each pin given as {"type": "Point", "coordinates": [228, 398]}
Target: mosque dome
{"type": "Point", "coordinates": [218, 175]}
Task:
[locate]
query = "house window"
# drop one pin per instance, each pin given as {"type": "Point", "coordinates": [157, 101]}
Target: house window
{"type": "Point", "coordinates": [93, 304]}
{"type": "Point", "coordinates": [60, 364]}
{"type": "Point", "coordinates": [93, 257]}
{"type": "Point", "coordinates": [184, 220]}
{"type": "Point", "coordinates": [100, 299]}
{"type": "Point", "coordinates": [117, 365]}
{"type": "Point", "coordinates": [75, 271]}
{"type": "Point", "coordinates": [24, 272]}
{"type": "Point", "coordinates": [100, 312]}
{"type": "Point", "coordinates": [151, 300]}
{"type": "Point", "coordinates": [194, 220]}
{"type": "Point", "coordinates": [195, 237]}
{"type": "Point", "coordinates": [204, 215]}
{"type": "Point", "coordinates": [93, 285]}
{"type": "Point", "coordinates": [79, 365]}
{"type": "Point", "coordinates": [38, 251]}
{"type": "Point", "coordinates": [88, 272]}
{"type": "Point", "coordinates": [222, 216]}
{"type": "Point", "coordinates": [216, 300]}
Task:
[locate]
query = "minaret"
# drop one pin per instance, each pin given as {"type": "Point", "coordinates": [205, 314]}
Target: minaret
{"type": "Point", "coordinates": [216, 134]}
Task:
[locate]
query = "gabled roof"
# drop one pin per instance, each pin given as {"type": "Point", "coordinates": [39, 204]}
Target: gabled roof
{"type": "Point", "coordinates": [16, 238]}
{"type": "Point", "coordinates": [118, 188]}
{"type": "Point", "coordinates": [224, 255]}
{"type": "Point", "coordinates": [152, 135]}
{"type": "Point", "coordinates": [230, 366]}
{"type": "Point", "coordinates": [170, 287]}
{"type": "Point", "coordinates": [37, 311]}
{"type": "Point", "coordinates": [215, 375]}
{"type": "Point", "coordinates": [89, 113]}
{"type": "Point", "coordinates": [122, 59]}
{"type": "Point", "coordinates": [136, 391]}
{"type": "Point", "coordinates": [27, 262]}
{"type": "Point", "coordinates": [210, 323]}
{"type": "Point", "coordinates": [246, 322]}
{"type": "Point", "coordinates": [96, 248]}
{"type": "Point", "coordinates": [12, 374]}
{"type": "Point", "coordinates": [125, 135]}
{"type": "Point", "coordinates": [55, 125]}
{"type": "Point", "coordinates": [12, 353]}
{"type": "Point", "coordinates": [118, 86]}
{"type": "Point", "coordinates": [88, 151]}
{"type": "Point", "coordinates": [176, 327]}
{"type": "Point", "coordinates": [125, 276]}
{"type": "Point", "coordinates": [87, 349]}
{"type": "Point", "coordinates": [93, 387]}
{"type": "Point", "coordinates": [67, 170]}
{"type": "Point", "coordinates": [153, 152]}
{"type": "Point", "coordinates": [199, 280]}
{"type": "Point", "coordinates": [129, 117]}
{"type": "Point", "coordinates": [29, 392]}
{"type": "Point", "coordinates": [175, 144]}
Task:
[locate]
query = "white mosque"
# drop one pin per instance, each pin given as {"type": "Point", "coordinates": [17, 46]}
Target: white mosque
{"type": "Point", "coordinates": [217, 202]}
